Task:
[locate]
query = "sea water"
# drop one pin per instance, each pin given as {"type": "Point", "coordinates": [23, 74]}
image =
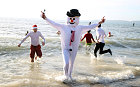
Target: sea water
{"type": "Point", "coordinates": [122, 69]}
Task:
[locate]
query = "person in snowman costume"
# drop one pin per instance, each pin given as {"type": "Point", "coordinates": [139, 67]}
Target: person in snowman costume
{"type": "Point", "coordinates": [70, 37]}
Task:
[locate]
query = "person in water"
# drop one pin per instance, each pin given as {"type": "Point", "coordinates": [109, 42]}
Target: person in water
{"type": "Point", "coordinates": [109, 34]}
{"type": "Point", "coordinates": [133, 24]}
{"type": "Point", "coordinates": [70, 38]}
{"type": "Point", "coordinates": [35, 46]}
{"type": "Point", "coordinates": [89, 38]}
{"type": "Point", "coordinates": [100, 35]}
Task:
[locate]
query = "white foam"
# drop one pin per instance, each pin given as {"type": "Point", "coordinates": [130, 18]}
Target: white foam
{"type": "Point", "coordinates": [119, 61]}
{"type": "Point", "coordinates": [93, 59]}
{"type": "Point", "coordinates": [15, 83]}
{"type": "Point", "coordinates": [92, 56]}
{"type": "Point", "coordinates": [137, 68]}
{"type": "Point", "coordinates": [48, 77]}
{"type": "Point", "coordinates": [60, 78]}
{"type": "Point", "coordinates": [108, 77]}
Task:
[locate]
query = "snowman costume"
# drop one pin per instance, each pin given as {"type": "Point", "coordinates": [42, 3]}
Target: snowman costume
{"type": "Point", "coordinates": [70, 38]}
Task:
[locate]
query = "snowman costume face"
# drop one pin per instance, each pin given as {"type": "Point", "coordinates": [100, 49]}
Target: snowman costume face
{"type": "Point", "coordinates": [73, 21]}
{"type": "Point", "coordinates": [66, 34]}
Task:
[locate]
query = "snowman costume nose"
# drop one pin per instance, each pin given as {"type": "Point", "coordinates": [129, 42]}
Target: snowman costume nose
{"type": "Point", "coordinates": [71, 20]}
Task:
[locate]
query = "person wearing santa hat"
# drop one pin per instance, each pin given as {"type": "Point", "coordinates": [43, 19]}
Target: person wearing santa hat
{"type": "Point", "coordinates": [70, 37]}
{"type": "Point", "coordinates": [109, 34]}
{"type": "Point", "coordinates": [35, 46]}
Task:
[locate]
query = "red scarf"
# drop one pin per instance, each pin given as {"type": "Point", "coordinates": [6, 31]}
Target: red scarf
{"type": "Point", "coordinates": [72, 37]}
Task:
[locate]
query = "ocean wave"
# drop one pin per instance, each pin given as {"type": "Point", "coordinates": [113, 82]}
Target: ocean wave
{"type": "Point", "coordinates": [9, 48]}
{"type": "Point", "coordinates": [125, 43]}
{"type": "Point", "coordinates": [120, 43]}
{"type": "Point", "coordinates": [116, 44]}
{"type": "Point", "coordinates": [108, 77]}
{"type": "Point", "coordinates": [133, 39]}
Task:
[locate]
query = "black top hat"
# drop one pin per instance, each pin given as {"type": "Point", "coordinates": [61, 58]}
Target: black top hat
{"type": "Point", "coordinates": [73, 13]}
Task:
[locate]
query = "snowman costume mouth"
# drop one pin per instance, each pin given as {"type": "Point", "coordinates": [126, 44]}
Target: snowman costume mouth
{"type": "Point", "coordinates": [72, 23]}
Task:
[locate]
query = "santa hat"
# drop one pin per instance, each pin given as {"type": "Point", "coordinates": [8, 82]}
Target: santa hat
{"type": "Point", "coordinates": [34, 26]}
{"type": "Point", "coordinates": [73, 13]}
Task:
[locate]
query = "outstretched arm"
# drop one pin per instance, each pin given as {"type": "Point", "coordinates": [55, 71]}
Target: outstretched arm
{"type": "Point", "coordinates": [52, 23]}
{"type": "Point", "coordinates": [24, 39]}
{"type": "Point", "coordinates": [92, 26]}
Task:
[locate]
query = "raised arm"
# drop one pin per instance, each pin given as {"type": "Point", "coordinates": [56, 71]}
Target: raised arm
{"type": "Point", "coordinates": [88, 27]}
{"type": "Point", "coordinates": [92, 26]}
{"type": "Point", "coordinates": [52, 23]}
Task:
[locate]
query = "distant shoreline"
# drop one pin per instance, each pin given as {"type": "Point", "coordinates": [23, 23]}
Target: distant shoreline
{"type": "Point", "coordinates": [39, 18]}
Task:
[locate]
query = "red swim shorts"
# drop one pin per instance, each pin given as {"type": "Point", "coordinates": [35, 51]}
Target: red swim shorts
{"type": "Point", "coordinates": [35, 49]}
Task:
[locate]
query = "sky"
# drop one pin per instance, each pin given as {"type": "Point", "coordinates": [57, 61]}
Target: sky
{"type": "Point", "coordinates": [128, 10]}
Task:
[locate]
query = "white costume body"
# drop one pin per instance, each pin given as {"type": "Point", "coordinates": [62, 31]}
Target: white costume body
{"type": "Point", "coordinates": [69, 56]}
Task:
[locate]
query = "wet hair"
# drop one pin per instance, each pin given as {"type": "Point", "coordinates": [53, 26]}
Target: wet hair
{"type": "Point", "coordinates": [89, 31]}
{"type": "Point", "coordinates": [99, 25]}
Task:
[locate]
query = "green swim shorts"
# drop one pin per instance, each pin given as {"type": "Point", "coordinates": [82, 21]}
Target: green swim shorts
{"type": "Point", "coordinates": [88, 43]}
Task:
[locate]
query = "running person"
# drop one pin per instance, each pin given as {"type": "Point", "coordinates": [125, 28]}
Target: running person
{"type": "Point", "coordinates": [100, 34]}
{"type": "Point", "coordinates": [35, 46]}
{"type": "Point", "coordinates": [70, 38]}
{"type": "Point", "coordinates": [89, 38]}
